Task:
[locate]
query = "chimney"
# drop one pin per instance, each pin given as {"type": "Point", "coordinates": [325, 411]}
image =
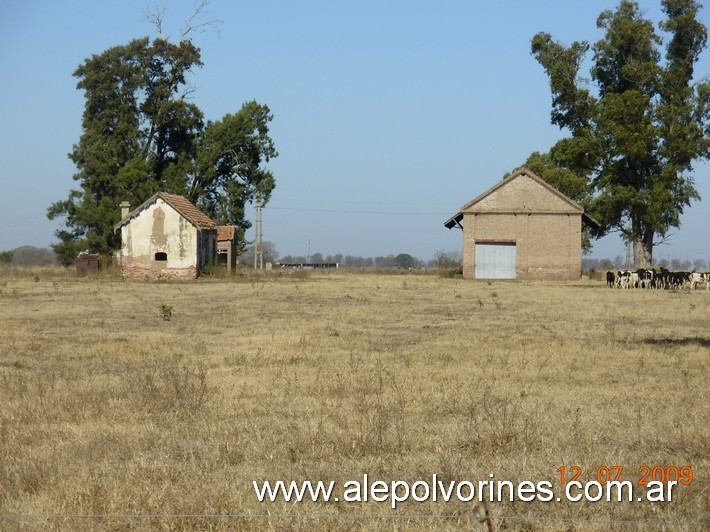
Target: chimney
{"type": "Point", "coordinates": [125, 209]}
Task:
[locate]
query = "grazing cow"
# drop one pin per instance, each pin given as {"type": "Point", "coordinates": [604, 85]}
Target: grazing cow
{"type": "Point", "coordinates": [645, 278]}
{"type": "Point", "coordinates": [620, 279]}
{"type": "Point", "coordinates": [678, 279]}
{"type": "Point", "coordinates": [623, 279]}
{"type": "Point", "coordinates": [633, 280]}
{"type": "Point", "coordinates": [663, 279]}
{"type": "Point", "coordinates": [699, 278]}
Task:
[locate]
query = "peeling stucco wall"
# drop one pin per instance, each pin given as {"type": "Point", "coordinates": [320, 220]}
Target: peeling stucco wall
{"type": "Point", "coordinates": [160, 243]}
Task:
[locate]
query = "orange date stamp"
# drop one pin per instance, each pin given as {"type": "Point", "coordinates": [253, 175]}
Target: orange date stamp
{"type": "Point", "coordinates": [604, 474]}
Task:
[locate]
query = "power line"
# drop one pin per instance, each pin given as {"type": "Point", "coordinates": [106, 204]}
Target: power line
{"type": "Point", "coordinates": [340, 211]}
{"type": "Point", "coordinates": [366, 202]}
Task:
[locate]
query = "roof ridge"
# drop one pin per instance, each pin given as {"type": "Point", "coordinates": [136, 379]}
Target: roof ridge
{"type": "Point", "coordinates": [188, 210]}
{"type": "Point", "coordinates": [523, 170]}
{"type": "Point", "coordinates": [181, 204]}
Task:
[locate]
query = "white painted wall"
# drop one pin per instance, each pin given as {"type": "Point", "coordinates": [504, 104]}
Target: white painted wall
{"type": "Point", "coordinates": [146, 234]}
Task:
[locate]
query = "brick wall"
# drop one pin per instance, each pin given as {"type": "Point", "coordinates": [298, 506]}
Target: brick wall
{"type": "Point", "coordinates": [548, 246]}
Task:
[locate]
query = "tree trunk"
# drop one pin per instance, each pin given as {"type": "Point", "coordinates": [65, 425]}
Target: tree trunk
{"type": "Point", "coordinates": [643, 250]}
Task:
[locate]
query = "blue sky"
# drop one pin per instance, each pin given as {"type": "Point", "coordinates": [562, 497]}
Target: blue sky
{"type": "Point", "coordinates": [388, 116]}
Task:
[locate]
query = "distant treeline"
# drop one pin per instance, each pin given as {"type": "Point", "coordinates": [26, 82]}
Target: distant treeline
{"type": "Point", "coordinates": [441, 259]}
{"type": "Point", "coordinates": [29, 256]}
{"type": "Point", "coordinates": [34, 256]}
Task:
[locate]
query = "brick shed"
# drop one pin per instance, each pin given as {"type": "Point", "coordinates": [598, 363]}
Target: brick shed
{"type": "Point", "coordinates": [166, 237]}
{"type": "Point", "coordinates": [227, 246]}
{"type": "Point", "coordinates": [521, 228]}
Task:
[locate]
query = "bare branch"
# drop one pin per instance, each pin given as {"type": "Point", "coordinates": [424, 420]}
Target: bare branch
{"type": "Point", "coordinates": [192, 24]}
{"type": "Point", "coordinates": [156, 15]}
{"type": "Point", "coordinates": [663, 239]}
{"type": "Point", "coordinates": [187, 91]}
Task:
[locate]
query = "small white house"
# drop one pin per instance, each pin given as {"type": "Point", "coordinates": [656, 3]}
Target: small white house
{"type": "Point", "coordinates": [166, 237]}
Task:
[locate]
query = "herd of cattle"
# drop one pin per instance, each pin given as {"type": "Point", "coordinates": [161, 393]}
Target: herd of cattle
{"type": "Point", "coordinates": [657, 279]}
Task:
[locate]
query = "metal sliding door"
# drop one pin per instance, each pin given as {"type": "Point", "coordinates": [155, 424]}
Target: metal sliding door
{"type": "Point", "coordinates": [495, 260]}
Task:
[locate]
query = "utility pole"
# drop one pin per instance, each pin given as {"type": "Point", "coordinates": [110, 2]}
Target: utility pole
{"type": "Point", "coordinates": [258, 242]}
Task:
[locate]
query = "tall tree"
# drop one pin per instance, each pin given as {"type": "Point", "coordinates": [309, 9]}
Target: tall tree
{"type": "Point", "coordinates": [635, 138]}
{"type": "Point", "coordinates": [142, 135]}
{"type": "Point", "coordinates": [228, 170]}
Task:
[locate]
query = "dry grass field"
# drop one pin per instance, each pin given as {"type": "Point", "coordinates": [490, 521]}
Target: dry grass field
{"type": "Point", "coordinates": [114, 417]}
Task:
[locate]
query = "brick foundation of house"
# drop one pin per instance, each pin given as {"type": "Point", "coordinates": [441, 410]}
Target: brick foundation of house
{"type": "Point", "coordinates": [139, 272]}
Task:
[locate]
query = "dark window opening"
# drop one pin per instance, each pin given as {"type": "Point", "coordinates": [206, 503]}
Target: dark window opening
{"type": "Point", "coordinates": [161, 256]}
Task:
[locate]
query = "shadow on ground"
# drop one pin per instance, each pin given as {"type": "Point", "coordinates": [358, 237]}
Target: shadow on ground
{"type": "Point", "coordinates": [703, 342]}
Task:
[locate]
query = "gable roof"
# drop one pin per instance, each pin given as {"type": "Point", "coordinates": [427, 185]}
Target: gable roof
{"type": "Point", "coordinates": [456, 219]}
{"type": "Point", "coordinates": [182, 205]}
{"type": "Point", "coordinates": [519, 173]}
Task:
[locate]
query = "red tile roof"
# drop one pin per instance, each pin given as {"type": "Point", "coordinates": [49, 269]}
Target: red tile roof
{"type": "Point", "coordinates": [225, 233]}
{"type": "Point", "coordinates": [188, 210]}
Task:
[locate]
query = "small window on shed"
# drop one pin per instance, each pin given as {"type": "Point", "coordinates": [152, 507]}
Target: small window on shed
{"type": "Point", "coordinates": [161, 256]}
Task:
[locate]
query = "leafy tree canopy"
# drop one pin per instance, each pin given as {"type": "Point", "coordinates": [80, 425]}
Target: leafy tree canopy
{"type": "Point", "coordinates": [635, 138]}
{"type": "Point", "coordinates": [142, 134]}
{"type": "Point", "coordinates": [6, 256]}
{"type": "Point", "coordinates": [33, 256]}
{"type": "Point", "coordinates": [404, 260]}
